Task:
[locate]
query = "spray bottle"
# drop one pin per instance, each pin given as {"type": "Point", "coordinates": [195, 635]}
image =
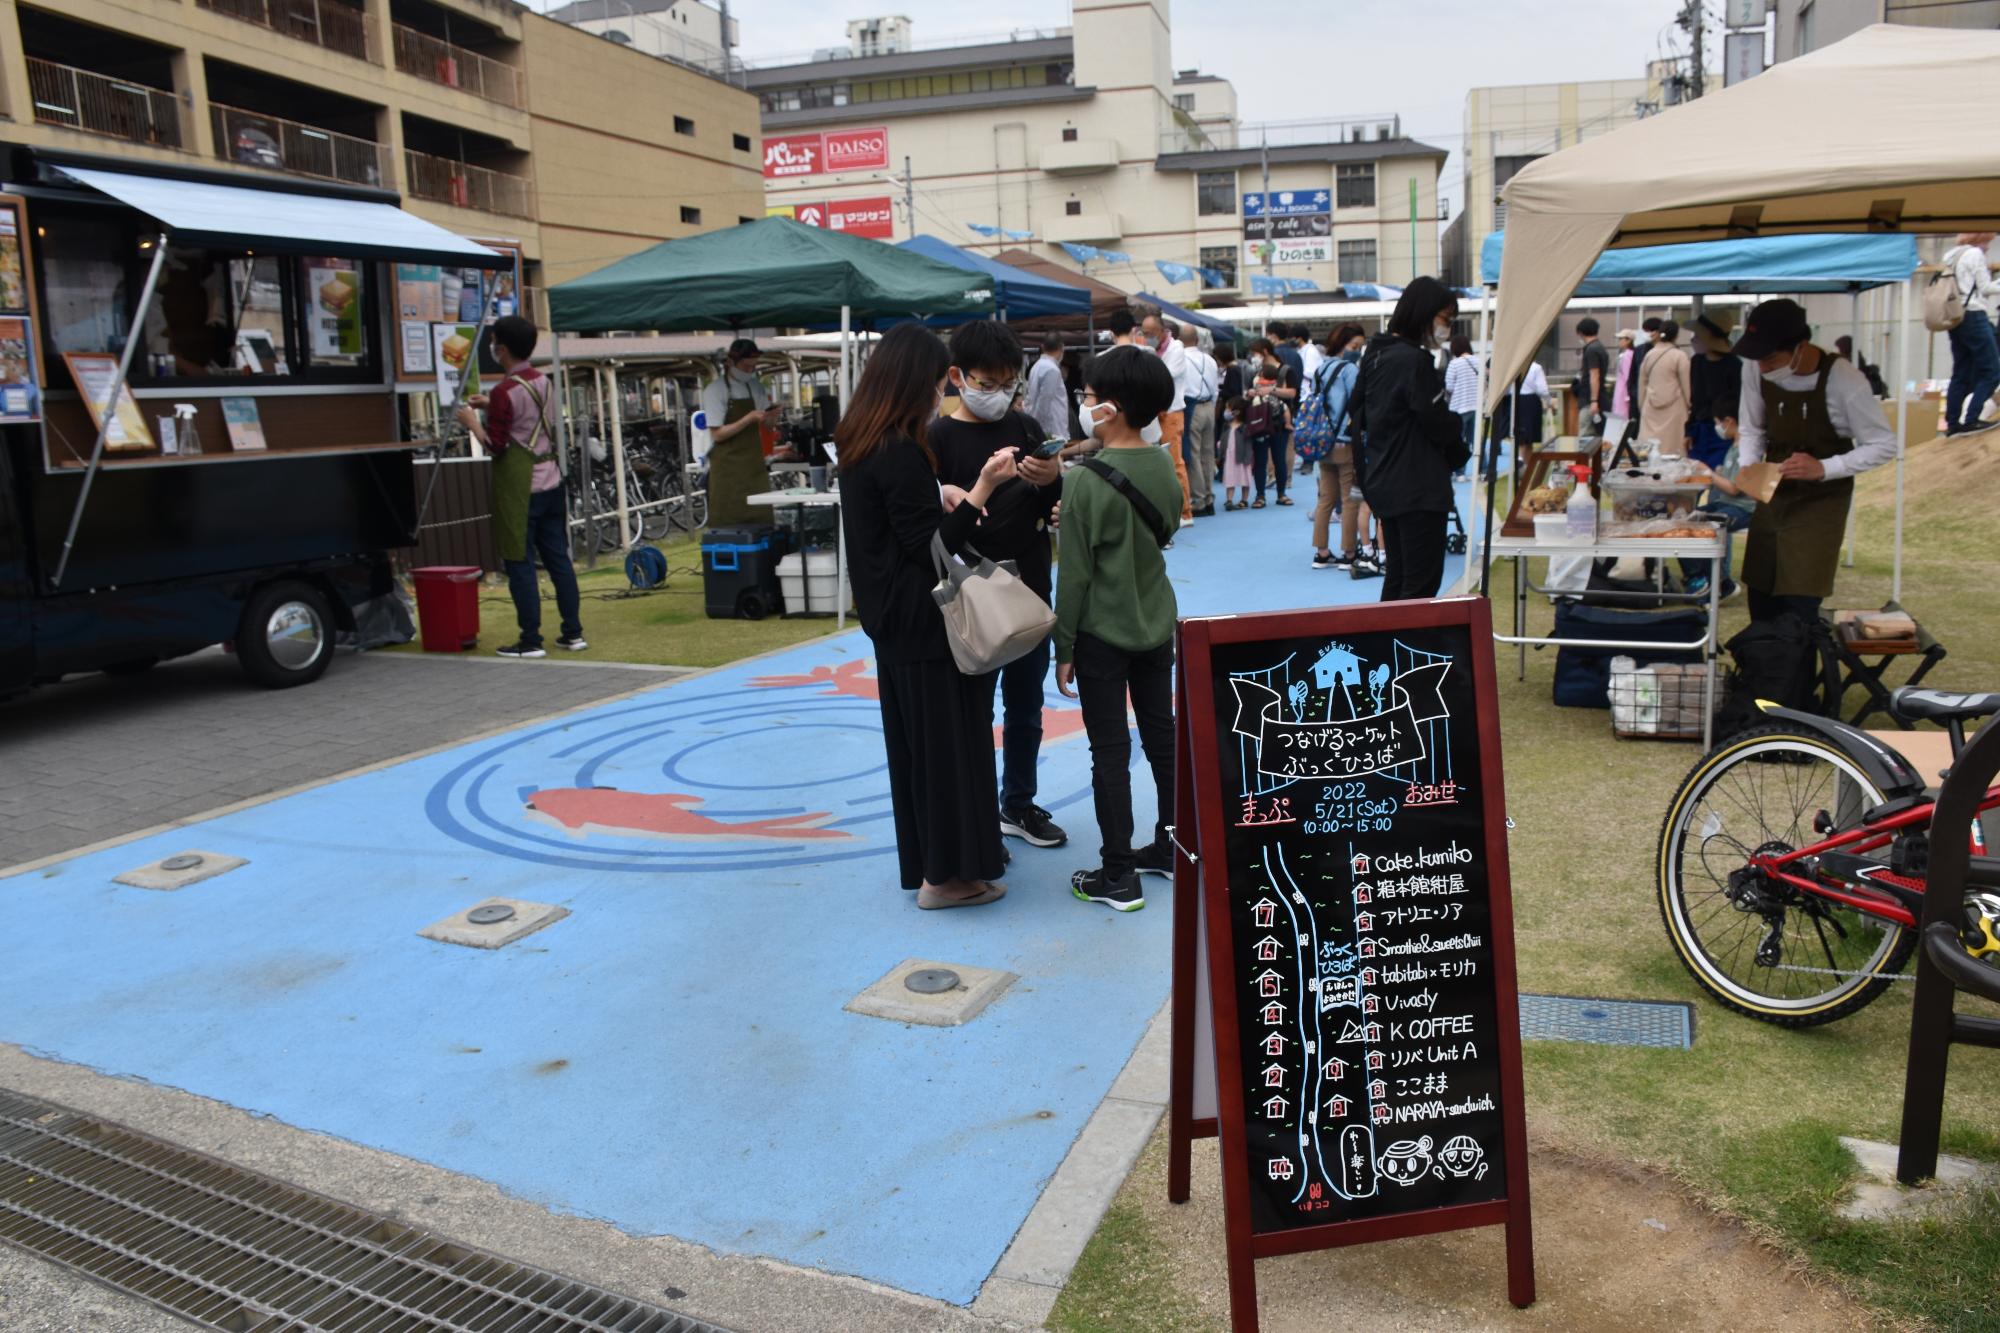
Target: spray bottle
{"type": "Point", "coordinates": [1581, 512]}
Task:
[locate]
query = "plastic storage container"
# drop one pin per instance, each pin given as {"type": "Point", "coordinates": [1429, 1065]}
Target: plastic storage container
{"type": "Point", "coordinates": [812, 584]}
{"type": "Point", "coordinates": [1663, 492]}
{"type": "Point", "coordinates": [448, 607]}
{"type": "Point", "coordinates": [739, 572]}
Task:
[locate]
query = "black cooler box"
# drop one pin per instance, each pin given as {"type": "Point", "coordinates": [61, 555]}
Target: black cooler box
{"type": "Point", "coordinates": [1583, 674]}
{"type": "Point", "coordinates": [739, 572]}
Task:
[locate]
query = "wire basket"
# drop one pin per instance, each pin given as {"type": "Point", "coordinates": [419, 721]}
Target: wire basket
{"type": "Point", "coordinates": [1663, 701]}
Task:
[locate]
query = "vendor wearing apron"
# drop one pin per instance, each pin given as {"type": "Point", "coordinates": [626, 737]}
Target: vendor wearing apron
{"type": "Point", "coordinates": [1814, 415]}
{"type": "Point", "coordinates": [736, 404]}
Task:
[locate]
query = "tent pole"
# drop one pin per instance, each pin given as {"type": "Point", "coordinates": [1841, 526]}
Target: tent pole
{"type": "Point", "coordinates": [1491, 305]}
{"type": "Point", "coordinates": [1902, 431]}
{"type": "Point", "coordinates": [561, 398]}
{"type": "Point", "coordinates": [110, 413]}
{"type": "Point", "coordinates": [1854, 325]}
{"type": "Point", "coordinates": [846, 358]}
{"type": "Point", "coordinates": [618, 457]}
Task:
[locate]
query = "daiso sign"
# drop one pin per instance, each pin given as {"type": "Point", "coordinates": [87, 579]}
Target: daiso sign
{"type": "Point", "coordinates": [857, 150]}
{"type": "Point", "coordinates": [792, 155]}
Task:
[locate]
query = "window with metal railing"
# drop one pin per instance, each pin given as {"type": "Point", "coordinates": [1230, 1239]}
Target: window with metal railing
{"type": "Point", "coordinates": [255, 139]}
{"type": "Point", "coordinates": [98, 104]}
{"type": "Point", "coordinates": [328, 23]}
{"type": "Point", "coordinates": [444, 180]}
{"type": "Point", "coordinates": [437, 61]}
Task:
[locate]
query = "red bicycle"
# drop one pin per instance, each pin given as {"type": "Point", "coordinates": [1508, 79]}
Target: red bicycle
{"type": "Point", "coordinates": [1792, 863]}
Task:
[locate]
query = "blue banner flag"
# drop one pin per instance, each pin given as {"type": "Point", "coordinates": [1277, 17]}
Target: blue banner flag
{"type": "Point", "coordinates": [1174, 272]}
{"type": "Point", "coordinates": [982, 229]}
{"type": "Point", "coordinates": [1301, 285]}
{"type": "Point", "coordinates": [1082, 254]}
{"type": "Point", "coordinates": [1264, 286]}
{"type": "Point", "coordinates": [1212, 277]}
{"type": "Point", "coordinates": [1114, 256]}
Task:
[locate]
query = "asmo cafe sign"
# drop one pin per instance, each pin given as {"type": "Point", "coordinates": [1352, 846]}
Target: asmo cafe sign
{"type": "Point", "coordinates": [834, 150]}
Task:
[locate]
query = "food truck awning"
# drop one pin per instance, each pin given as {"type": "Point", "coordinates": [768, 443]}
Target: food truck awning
{"type": "Point", "coordinates": [285, 221]}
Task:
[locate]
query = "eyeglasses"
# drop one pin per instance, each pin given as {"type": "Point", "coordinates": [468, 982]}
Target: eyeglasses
{"type": "Point", "coordinates": [986, 386]}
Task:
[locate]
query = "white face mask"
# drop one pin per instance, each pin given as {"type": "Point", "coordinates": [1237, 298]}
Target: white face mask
{"type": "Point", "coordinates": [1773, 376]}
{"type": "Point", "coordinates": [1096, 415]}
{"type": "Point", "coordinates": [986, 404]}
{"type": "Point", "coordinates": [1151, 433]}
{"type": "Point", "coordinates": [1441, 332]}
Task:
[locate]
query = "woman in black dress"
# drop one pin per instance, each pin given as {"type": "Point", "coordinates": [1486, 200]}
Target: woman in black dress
{"type": "Point", "coordinates": [937, 723]}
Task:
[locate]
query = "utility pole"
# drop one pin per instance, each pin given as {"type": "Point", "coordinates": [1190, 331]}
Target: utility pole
{"type": "Point", "coordinates": [1692, 18]}
{"type": "Point", "coordinates": [1270, 223]}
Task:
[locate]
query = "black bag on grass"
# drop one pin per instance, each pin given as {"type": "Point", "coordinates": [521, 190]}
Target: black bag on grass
{"type": "Point", "coordinates": [1787, 661]}
{"type": "Point", "coordinates": [1583, 675]}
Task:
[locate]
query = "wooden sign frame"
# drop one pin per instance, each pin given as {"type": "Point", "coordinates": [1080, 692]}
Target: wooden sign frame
{"type": "Point", "coordinates": [1202, 925]}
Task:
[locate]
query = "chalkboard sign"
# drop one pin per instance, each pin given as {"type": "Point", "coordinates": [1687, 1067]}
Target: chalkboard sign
{"type": "Point", "coordinates": [1342, 771]}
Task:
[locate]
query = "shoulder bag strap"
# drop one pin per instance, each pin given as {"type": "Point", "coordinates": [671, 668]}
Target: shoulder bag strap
{"type": "Point", "coordinates": [1121, 483]}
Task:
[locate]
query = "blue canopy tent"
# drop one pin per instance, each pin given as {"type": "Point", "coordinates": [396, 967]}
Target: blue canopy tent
{"type": "Point", "coordinates": [1181, 314]}
{"type": "Point", "coordinates": [1768, 265]}
{"type": "Point", "coordinates": [1760, 265]}
{"type": "Point", "coordinates": [1017, 293]}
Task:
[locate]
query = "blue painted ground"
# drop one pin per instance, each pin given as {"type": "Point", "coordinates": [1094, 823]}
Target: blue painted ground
{"type": "Point", "coordinates": [673, 1058]}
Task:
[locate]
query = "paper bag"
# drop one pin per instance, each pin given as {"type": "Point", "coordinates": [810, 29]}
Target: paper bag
{"type": "Point", "coordinates": [1759, 480]}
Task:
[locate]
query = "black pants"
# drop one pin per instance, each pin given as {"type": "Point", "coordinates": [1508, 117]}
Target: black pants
{"type": "Point", "coordinates": [1021, 685]}
{"type": "Point", "coordinates": [1769, 606]}
{"type": "Point", "coordinates": [1104, 675]}
{"type": "Point", "coordinates": [1414, 544]}
{"type": "Point", "coordinates": [1274, 452]}
{"type": "Point", "coordinates": [937, 725]}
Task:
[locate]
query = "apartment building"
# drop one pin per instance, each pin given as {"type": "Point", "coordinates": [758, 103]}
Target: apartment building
{"type": "Point", "coordinates": [1088, 135]}
{"type": "Point", "coordinates": [486, 118]}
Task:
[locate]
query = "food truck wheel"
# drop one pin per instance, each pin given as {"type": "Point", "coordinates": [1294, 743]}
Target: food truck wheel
{"type": "Point", "coordinates": [285, 637]}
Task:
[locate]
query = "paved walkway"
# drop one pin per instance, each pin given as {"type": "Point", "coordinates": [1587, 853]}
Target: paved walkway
{"type": "Point", "coordinates": [97, 756]}
{"type": "Point", "coordinates": [673, 1057]}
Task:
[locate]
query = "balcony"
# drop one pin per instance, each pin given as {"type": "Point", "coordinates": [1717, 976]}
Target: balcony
{"type": "Point", "coordinates": [443, 180]}
{"type": "Point", "coordinates": [254, 139]}
{"type": "Point", "coordinates": [95, 104]}
{"type": "Point", "coordinates": [327, 23]}
{"type": "Point", "coordinates": [1079, 157]}
{"type": "Point", "coordinates": [1083, 228]}
{"type": "Point", "coordinates": [451, 66]}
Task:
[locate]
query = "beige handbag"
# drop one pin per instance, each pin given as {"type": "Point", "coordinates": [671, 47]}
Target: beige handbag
{"type": "Point", "coordinates": [990, 616]}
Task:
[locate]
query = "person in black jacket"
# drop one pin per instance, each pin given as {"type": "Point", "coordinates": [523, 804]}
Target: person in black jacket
{"type": "Point", "coordinates": [937, 723]}
{"type": "Point", "coordinates": [1413, 438]}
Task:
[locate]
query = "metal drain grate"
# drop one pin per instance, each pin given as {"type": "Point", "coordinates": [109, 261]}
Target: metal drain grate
{"type": "Point", "coordinates": [238, 1251]}
{"type": "Point", "coordinates": [1667, 1023]}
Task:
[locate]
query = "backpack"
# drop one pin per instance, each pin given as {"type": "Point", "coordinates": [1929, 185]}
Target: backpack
{"type": "Point", "coordinates": [1265, 417]}
{"type": "Point", "coordinates": [1314, 434]}
{"type": "Point", "coordinates": [1785, 661]}
{"type": "Point", "coordinates": [1944, 303]}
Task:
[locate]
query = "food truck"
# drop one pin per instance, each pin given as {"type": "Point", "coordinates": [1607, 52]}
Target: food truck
{"type": "Point", "coordinates": [202, 440]}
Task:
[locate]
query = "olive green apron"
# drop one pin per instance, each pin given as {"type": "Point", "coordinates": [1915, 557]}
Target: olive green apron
{"type": "Point", "coordinates": [514, 482]}
{"type": "Point", "coordinates": [736, 469]}
{"type": "Point", "coordinates": [1794, 544]}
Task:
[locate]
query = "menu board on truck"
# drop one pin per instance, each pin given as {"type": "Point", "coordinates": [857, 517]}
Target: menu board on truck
{"type": "Point", "coordinates": [20, 369]}
{"type": "Point", "coordinates": [94, 373]}
{"type": "Point", "coordinates": [1342, 790]}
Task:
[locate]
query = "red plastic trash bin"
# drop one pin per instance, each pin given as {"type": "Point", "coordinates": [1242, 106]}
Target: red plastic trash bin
{"type": "Point", "coordinates": [448, 606]}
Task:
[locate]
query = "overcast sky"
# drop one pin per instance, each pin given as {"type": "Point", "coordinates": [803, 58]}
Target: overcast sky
{"type": "Point", "coordinates": [1359, 57]}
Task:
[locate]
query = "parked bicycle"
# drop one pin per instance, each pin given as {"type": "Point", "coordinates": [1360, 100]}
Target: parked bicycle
{"type": "Point", "coordinates": [1792, 862]}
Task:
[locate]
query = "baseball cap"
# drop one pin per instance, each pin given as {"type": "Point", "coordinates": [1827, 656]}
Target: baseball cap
{"type": "Point", "coordinates": [1774, 326]}
{"type": "Point", "coordinates": [741, 349]}
{"type": "Point", "coordinates": [1629, 334]}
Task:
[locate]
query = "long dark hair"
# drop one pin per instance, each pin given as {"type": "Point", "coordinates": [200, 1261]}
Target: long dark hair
{"type": "Point", "coordinates": [1417, 309]}
{"type": "Point", "coordinates": [897, 394]}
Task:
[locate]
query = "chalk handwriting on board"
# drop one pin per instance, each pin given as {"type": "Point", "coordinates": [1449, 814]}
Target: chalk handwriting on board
{"type": "Point", "coordinates": [1355, 747]}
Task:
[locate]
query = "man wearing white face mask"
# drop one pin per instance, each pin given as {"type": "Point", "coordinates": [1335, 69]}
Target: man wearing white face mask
{"type": "Point", "coordinates": [1815, 416]}
{"type": "Point", "coordinates": [986, 374]}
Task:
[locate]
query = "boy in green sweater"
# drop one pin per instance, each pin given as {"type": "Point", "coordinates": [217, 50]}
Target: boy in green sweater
{"type": "Point", "coordinates": [1115, 612]}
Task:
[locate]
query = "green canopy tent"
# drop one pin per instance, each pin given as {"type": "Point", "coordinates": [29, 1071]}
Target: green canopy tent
{"type": "Point", "coordinates": [773, 272]}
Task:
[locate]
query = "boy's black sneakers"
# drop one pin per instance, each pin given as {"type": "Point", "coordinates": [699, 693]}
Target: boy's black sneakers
{"type": "Point", "coordinates": [1120, 895]}
{"type": "Point", "coordinates": [1156, 859]}
{"type": "Point", "coordinates": [522, 650]}
{"type": "Point", "coordinates": [1032, 824]}
{"type": "Point", "coordinates": [573, 642]}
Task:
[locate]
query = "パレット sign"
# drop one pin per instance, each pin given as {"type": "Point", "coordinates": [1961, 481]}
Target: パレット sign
{"type": "Point", "coordinates": [833, 150]}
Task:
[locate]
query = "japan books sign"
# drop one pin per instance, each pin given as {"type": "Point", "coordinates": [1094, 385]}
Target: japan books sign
{"type": "Point", "coordinates": [1286, 203]}
{"type": "Point", "coordinates": [862, 217]}
{"type": "Point", "coordinates": [792, 155]}
{"type": "Point", "coordinates": [835, 150]}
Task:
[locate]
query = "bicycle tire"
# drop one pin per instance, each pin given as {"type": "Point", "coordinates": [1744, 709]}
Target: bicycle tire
{"type": "Point", "coordinates": [1873, 972]}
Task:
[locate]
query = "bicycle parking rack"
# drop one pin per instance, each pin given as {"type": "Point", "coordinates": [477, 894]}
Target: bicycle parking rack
{"type": "Point", "coordinates": [1943, 966]}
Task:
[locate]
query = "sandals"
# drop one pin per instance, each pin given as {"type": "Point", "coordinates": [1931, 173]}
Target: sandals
{"type": "Point", "coordinates": [930, 899]}
{"type": "Point", "coordinates": [1257, 503]}
{"type": "Point", "coordinates": [1284, 499]}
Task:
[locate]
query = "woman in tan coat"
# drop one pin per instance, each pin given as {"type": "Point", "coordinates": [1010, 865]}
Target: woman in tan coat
{"type": "Point", "coordinates": [1663, 393]}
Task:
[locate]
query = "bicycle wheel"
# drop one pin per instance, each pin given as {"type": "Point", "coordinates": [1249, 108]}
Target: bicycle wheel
{"type": "Point", "coordinates": [1760, 946]}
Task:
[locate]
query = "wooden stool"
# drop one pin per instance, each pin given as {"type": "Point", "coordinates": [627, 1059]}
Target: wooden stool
{"type": "Point", "coordinates": [1853, 653]}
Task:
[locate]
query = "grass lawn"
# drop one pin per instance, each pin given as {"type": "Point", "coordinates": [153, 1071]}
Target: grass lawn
{"type": "Point", "coordinates": [667, 626]}
{"type": "Point", "coordinates": [1748, 1119]}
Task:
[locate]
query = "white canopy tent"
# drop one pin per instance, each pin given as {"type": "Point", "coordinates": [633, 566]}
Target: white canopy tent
{"type": "Point", "coordinates": [1758, 159]}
